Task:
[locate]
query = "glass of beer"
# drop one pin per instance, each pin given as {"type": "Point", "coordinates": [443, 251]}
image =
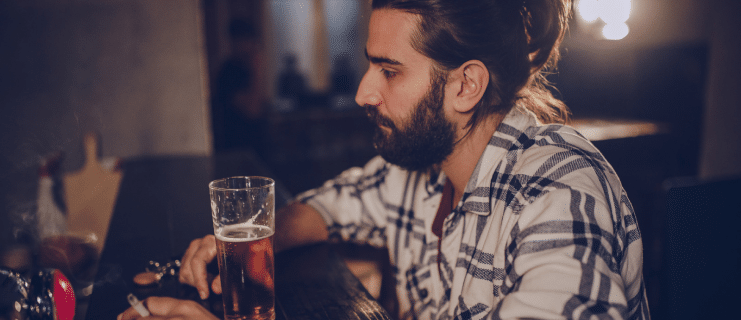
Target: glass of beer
{"type": "Point", "coordinates": [243, 213]}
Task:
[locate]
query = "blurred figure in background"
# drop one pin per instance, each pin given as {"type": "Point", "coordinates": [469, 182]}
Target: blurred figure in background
{"type": "Point", "coordinates": [291, 84]}
{"type": "Point", "coordinates": [343, 76]}
{"type": "Point", "coordinates": [343, 82]}
{"type": "Point", "coordinates": [239, 97]}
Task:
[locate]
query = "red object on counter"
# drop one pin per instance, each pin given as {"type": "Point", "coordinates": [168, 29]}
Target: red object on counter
{"type": "Point", "coordinates": [64, 297]}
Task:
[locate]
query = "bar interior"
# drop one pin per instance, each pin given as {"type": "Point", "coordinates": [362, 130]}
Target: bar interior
{"type": "Point", "coordinates": [94, 92]}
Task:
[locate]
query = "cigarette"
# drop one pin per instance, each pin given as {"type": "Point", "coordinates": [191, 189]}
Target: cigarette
{"type": "Point", "coordinates": [138, 306]}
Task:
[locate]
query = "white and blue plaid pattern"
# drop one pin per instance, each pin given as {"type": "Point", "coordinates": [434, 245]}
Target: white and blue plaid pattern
{"type": "Point", "coordinates": [544, 230]}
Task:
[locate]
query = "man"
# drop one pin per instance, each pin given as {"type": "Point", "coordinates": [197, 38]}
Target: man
{"type": "Point", "coordinates": [486, 213]}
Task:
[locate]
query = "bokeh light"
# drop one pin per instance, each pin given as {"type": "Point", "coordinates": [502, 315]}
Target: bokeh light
{"type": "Point", "coordinates": [614, 14]}
{"type": "Point", "coordinates": [588, 10]}
{"type": "Point", "coordinates": [615, 31]}
{"type": "Point", "coordinates": [615, 11]}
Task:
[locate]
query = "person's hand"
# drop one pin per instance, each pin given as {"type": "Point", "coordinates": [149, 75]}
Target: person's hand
{"type": "Point", "coordinates": [162, 308]}
{"type": "Point", "coordinates": [193, 266]}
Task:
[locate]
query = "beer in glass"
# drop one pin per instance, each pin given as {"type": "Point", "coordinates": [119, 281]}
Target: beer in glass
{"type": "Point", "coordinates": [244, 223]}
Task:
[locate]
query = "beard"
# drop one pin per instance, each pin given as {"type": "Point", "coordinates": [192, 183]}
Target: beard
{"type": "Point", "coordinates": [425, 139]}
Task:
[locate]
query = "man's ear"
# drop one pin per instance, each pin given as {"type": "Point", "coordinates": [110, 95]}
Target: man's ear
{"type": "Point", "coordinates": [470, 81]}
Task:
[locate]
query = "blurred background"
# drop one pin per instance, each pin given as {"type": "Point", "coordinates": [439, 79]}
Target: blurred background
{"type": "Point", "coordinates": [653, 83]}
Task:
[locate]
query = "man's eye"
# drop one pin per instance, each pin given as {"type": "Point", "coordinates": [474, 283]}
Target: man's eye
{"type": "Point", "coordinates": [388, 74]}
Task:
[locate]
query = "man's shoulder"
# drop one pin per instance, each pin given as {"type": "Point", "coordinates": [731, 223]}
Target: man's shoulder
{"type": "Point", "coordinates": [554, 143]}
{"type": "Point", "coordinates": [524, 152]}
{"type": "Point", "coordinates": [520, 131]}
{"type": "Point", "coordinates": [558, 155]}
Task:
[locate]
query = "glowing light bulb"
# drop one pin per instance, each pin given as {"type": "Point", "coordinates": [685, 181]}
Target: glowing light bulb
{"type": "Point", "coordinates": [615, 11]}
{"type": "Point", "coordinates": [615, 31]}
{"type": "Point", "coordinates": [589, 10]}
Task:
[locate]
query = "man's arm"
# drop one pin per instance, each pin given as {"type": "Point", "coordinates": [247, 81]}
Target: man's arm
{"type": "Point", "coordinates": [571, 259]}
{"type": "Point", "coordinates": [295, 225]}
{"type": "Point", "coordinates": [298, 224]}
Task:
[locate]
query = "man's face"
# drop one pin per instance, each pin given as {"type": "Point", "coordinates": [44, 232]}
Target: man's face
{"type": "Point", "coordinates": [401, 96]}
{"type": "Point", "coordinates": [424, 139]}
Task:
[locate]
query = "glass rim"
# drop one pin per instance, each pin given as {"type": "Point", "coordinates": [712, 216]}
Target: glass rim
{"type": "Point", "coordinates": [211, 185]}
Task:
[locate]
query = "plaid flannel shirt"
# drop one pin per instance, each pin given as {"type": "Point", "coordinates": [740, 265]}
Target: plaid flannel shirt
{"type": "Point", "coordinates": [544, 230]}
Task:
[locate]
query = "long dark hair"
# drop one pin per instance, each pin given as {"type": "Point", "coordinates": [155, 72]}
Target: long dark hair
{"type": "Point", "coordinates": [517, 40]}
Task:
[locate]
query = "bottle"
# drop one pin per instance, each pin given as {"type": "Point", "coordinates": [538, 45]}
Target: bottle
{"type": "Point", "coordinates": [50, 219]}
{"type": "Point", "coordinates": [45, 295]}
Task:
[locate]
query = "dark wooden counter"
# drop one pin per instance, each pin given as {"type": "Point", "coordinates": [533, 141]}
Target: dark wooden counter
{"type": "Point", "coordinates": [163, 204]}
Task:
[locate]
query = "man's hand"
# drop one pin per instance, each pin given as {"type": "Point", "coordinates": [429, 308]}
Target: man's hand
{"type": "Point", "coordinates": [306, 227]}
{"type": "Point", "coordinates": [162, 308]}
{"type": "Point", "coordinates": [193, 265]}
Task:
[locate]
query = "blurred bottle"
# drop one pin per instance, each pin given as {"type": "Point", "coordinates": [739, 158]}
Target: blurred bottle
{"type": "Point", "coordinates": [45, 295]}
{"type": "Point", "coordinates": [50, 219]}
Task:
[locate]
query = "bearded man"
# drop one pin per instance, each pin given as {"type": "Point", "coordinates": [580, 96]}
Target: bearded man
{"type": "Point", "coordinates": [489, 207]}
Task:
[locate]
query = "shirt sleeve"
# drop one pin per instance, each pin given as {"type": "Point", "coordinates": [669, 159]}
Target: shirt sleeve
{"type": "Point", "coordinates": [567, 259]}
{"type": "Point", "coordinates": [352, 204]}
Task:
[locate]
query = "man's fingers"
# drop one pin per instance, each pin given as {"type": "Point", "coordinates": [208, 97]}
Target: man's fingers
{"type": "Point", "coordinates": [172, 308]}
{"type": "Point", "coordinates": [128, 314]}
{"type": "Point", "coordinates": [193, 269]}
{"type": "Point", "coordinates": [199, 278]}
{"type": "Point", "coordinates": [205, 253]}
{"type": "Point", "coordinates": [157, 306]}
{"type": "Point", "coordinates": [216, 285]}
{"type": "Point", "coordinates": [186, 274]}
{"type": "Point", "coordinates": [169, 308]}
{"type": "Point", "coordinates": [161, 306]}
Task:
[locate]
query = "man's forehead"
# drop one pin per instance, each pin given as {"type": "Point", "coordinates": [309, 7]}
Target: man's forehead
{"type": "Point", "coordinates": [389, 34]}
{"type": "Point", "coordinates": [392, 19]}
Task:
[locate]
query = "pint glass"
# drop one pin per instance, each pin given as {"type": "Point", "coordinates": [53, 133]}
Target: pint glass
{"type": "Point", "coordinates": [243, 213]}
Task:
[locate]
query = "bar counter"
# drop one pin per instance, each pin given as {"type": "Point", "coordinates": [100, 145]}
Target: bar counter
{"type": "Point", "coordinates": [163, 204]}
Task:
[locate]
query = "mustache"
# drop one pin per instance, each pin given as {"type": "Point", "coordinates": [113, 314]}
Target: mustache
{"type": "Point", "coordinates": [376, 117]}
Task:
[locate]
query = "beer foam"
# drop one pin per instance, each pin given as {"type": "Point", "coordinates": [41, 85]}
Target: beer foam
{"type": "Point", "coordinates": [244, 232]}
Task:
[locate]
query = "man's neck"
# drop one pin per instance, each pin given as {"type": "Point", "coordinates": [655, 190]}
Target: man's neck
{"type": "Point", "coordinates": [460, 164]}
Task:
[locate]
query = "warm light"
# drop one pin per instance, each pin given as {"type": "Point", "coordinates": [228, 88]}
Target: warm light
{"type": "Point", "coordinates": [615, 31]}
{"type": "Point", "coordinates": [615, 11]}
{"type": "Point", "coordinates": [589, 10]}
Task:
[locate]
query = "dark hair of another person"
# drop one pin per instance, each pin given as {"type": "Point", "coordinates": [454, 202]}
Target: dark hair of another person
{"type": "Point", "coordinates": [517, 40]}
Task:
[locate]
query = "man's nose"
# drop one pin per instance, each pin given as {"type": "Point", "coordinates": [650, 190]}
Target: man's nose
{"type": "Point", "coordinates": [367, 93]}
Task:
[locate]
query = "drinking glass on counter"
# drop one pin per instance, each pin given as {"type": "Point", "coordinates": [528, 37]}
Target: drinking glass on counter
{"type": "Point", "coordinates": [75, 255]}
{"type": "Point", "coordinates": [243, 214]}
